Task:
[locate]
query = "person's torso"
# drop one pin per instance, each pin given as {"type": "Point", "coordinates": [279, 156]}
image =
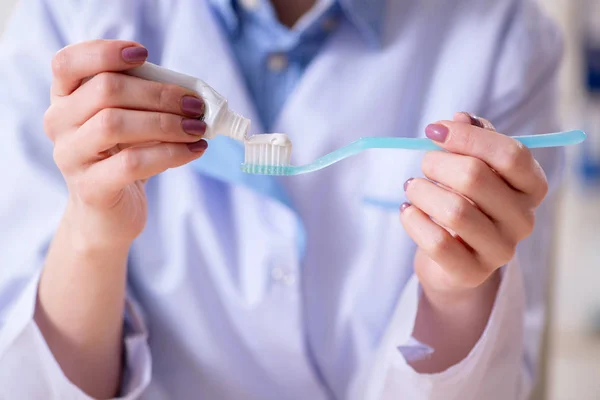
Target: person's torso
{"type": "Point", "coordinates": [249, 298]}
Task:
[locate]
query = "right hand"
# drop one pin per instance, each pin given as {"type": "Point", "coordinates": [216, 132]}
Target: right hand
{"type": "Point", "coordinates": [112, 132]}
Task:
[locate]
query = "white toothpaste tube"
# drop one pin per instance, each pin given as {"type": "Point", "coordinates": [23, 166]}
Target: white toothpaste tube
{"type": "Point", "coordinates": [220, 120]}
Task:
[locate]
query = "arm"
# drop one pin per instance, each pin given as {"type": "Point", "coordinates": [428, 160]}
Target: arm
{"type": "Point", "coordinates": [96, 128]}
{"type": "Point", "coordinates": [66, 334]}
{"type": "Point", "coordinates": [80, 308]}
{"type": "Point", "coordinates": [487, 346]}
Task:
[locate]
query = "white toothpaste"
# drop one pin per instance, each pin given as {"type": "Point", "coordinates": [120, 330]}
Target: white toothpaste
{"type": "Point", "coordinates": [272, 149]}
{"type": "Point", "coordinates": [220, 120]}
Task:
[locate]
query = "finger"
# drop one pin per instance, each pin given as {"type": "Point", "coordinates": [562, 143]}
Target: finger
{"type": "Point", "coordinates": [111, 175]}
{"type": "Point", "coordinates": [474, 179]}
{"type": "Point", "coordinates": [508, 157]}
{"type": "Point", "coordinates": [113, 126]}
{"type": "Point", "coordinates": [113, 90]}
{"type": "Point", "coordinates": [473, 120]}
{"type": "Point", "coordinates": [76, 62]}
{"type": "Point", "coordinates": [456, 213]}
{"type": "Point", "coordinates": [456, 260]}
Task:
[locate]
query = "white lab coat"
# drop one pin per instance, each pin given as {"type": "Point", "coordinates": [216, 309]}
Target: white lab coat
{"type": "Point", "coordinates": [230, 284]}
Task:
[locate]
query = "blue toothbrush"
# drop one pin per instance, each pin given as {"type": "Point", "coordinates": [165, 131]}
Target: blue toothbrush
{"type": "Point", "coordinates": [270, 154]}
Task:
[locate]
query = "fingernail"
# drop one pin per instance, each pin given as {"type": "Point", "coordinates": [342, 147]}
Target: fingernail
{"type": "Point", "coordinates": [192, 106]}
{"type": "Point", "coordinates": [437, 132]}
{"type": "Point", "coordinates": [134, 54]}
{"type": "Point", "coordinates": [198, 147]}
{"type": "Point", "coordinates": [194, 126]}
{"type": "Point", "coordinates": [407, 183]}
{"type": "Point", "coordinates": [475, 121]}
{"type": "Point", "coordinates": [403, 207]}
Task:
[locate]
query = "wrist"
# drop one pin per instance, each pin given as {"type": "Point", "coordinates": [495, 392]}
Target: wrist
{"type": "Point", "coordinates": [464, 300]}
{"type": "Point", "coordinates": [91, 234]}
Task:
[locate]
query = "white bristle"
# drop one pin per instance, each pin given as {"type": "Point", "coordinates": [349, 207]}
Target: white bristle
{"type": "Point", "coordinates": [272, 149]}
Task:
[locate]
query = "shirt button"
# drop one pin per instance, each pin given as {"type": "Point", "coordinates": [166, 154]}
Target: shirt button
{"type": "Point", "coordinates": [328, 24]}
{"type": "Point", "coordinates": [277, 274]}
{"type": "Point", "coordinates": [289, 279]}
{"type": "Point", "coordinates": [250, 4]}
{"type": "Point", "coordinates": [283, 276]}
{"type": "Point", "coordinates": [278, 62]}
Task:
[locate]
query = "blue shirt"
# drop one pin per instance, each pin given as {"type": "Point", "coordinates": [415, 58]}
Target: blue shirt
{"type": "Point", "coordinates": [273, 57]}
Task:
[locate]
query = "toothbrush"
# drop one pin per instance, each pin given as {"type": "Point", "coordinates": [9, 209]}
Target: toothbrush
{"type": "Point", "coordinates": [270, 154]}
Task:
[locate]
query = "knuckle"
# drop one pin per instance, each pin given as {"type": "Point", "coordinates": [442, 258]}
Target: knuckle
{"type": "Point", "coordinates": [170, 152]}
{"type": "Point", "coordinates": [110, 122]}
{"type": "Point", "coordinates": [457, 212]}
{"type": "Point", "coordinates": [544, 187]}
{"type": "Point", "coordinates": [108, 86]}
{"type": "Point", "coordinates": [474, 174]}
{"type": "Point", "coordinates": [439, 244]}
{"type": "Point", "coordinates": [49, 124]}
{"type": "Point", "coordinates": [515, 156]}
{"type": "Point", "coordinates": [506, 252]}
{"type": "Point", "coordinates": [59, 160]}
{"type": "Point", "coordinates": [130, 162]}
{"type": "Point", "coordinates": [464, 139]}
{"type": "Point", "coordinates": [165, 96]}
{"type": "Point", "coordinates": [529, 223]}
{"type": "Point", "coordinates": [165, 123]}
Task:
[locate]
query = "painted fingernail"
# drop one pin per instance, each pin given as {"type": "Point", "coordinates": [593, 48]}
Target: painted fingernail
{"type": "Point", "coordinates": [134, 54]}
{"type": "Point", "coordinates": [403, 207]}
{"type": "Point", "coordinates": [407, 183]}
{"type": "Point", "coordinates": [194, 126]}
{"type": "Point", "coordinates": [475, 120]}
{"type": "Point", "coordinates": [198, 147]}
{"type": "Point", "coordinates": [192, 106]}
{"type": "Point", "coordinates": [437, 132]}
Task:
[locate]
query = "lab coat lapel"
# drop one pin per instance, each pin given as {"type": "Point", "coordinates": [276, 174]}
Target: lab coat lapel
{"type": "Point", "coordinates": [208, 56]}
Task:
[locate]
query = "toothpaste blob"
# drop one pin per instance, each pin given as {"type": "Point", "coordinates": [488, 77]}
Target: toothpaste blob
{"type": "Point", "coordinates": [274, 149]}
{"type": "Point", "coordinates": [220, 120]}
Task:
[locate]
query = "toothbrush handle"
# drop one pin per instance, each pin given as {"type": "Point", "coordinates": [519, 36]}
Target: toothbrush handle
{"type": "Point", "coordinates": [531, 141]}
{"type": "Point", "coordinates": [552, 139]}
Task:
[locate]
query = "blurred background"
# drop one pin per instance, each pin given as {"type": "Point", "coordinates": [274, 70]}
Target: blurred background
{"type": "Point", "coordinates": [572, 346]}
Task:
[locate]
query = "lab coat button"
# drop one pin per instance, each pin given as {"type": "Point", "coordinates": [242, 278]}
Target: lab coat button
{"type": "Point", "coordinates": [289, 279]}
{"type": "Point", "coordinates": [277, 274]}
{"type": "Point", "coordinates": [278, 62]}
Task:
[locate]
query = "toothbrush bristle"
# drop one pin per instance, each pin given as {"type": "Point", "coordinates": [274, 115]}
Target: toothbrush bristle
{"type": "Point", "coordinates": [265, 169]}
{"type": "Point", "coordinates": [267, 154]}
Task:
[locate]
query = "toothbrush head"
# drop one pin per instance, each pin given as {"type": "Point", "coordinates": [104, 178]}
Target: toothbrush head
{"type": "Point", "coordinates": [267, 154]}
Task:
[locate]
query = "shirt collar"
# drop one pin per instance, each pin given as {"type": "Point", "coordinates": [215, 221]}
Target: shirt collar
{"type": "Point", "coordinates": [366, 15]}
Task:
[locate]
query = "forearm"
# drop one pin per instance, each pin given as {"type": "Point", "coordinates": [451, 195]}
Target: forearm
{"type": "Point", "coordinates": [452, 324]}
{"type": "Point", "coordinates": [80, 307]}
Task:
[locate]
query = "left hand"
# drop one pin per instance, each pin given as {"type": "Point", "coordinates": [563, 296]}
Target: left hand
{"type": "Point", "coordinates": [477, 204]}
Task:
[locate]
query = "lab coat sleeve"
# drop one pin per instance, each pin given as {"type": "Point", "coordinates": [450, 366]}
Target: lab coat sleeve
{"type": "Point", "coordinates": [502, 365]}
{"type": "Point", "coordinates": [31, 204]}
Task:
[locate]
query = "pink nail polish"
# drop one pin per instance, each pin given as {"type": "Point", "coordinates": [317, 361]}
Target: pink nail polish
{"type": "Point", "coordinates": [407, 183]}
{"type": "Point", "coordinates": [403, 207]}
{"type": "Point", "coordinates": [475, 120]}
{"type": "Point", "coordinates": [437, 132]}
{"type": "Point", "coordinates": [198, 147]}
{"type": "Point", "coordinates": [134, 55]}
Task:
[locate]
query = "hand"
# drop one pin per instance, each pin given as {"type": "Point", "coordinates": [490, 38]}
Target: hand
{"type": "Point", "coordinates": [112, 132]}
{"type": "Point", "coordinates": [481, 196]}
{"type": "Point", "coordinates": [477, 203]}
